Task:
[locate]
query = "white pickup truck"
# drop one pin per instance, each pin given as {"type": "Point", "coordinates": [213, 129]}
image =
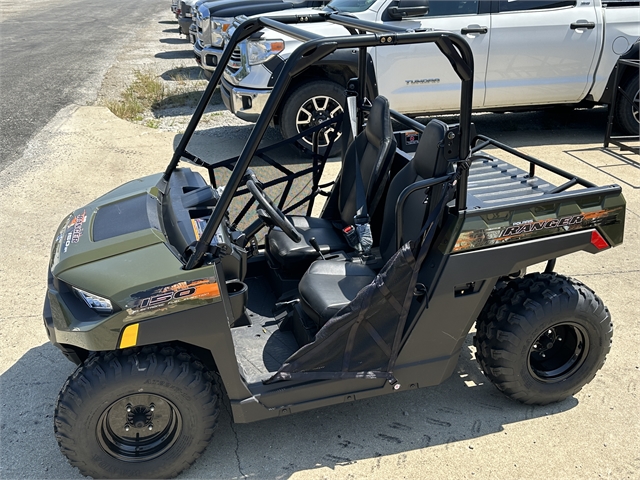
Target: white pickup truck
{"type": "Point", "coordinates": [528, 54]}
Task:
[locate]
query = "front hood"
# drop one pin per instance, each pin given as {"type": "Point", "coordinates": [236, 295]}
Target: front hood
{"type": "Point", "coordinates": [125, 219]}
{"type": "Point", "coordinates": [218, 5]}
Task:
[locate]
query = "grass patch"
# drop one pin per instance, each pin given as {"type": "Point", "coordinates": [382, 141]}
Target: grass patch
{"type": "Point", "coordinates": [145, 90]}
{"type": "Point", "coordinates": [148, 92]}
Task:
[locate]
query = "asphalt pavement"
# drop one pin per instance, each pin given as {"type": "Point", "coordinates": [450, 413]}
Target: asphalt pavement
{"type": "Point", "coordinates": [54, 53]}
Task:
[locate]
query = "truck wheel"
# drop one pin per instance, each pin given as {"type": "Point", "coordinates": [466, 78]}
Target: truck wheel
{"type": "Point", "coordinates": [542, 337]}
{"type": "Point", "coordinates": [309, 104]}
{"type": "Point", "coordinates": [627, 114]}
{"type": "Point", "coordinates": [137, 413]}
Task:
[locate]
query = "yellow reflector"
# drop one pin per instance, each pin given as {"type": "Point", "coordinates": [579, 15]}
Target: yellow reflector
{"type": "Point", "coordinates": [129, 336]}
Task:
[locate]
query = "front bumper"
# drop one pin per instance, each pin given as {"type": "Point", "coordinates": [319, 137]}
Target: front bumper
{"type": "Point", "coordinates": [244, 103]}
{"type": "Point", "coordinates": [185, 23]}
{"type": "Point", "coordinates": [207, 57]}
{"type": "Point", "coordinates": [62, 312]}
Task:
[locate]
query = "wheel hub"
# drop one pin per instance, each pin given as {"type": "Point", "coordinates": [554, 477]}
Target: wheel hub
{"type": "Point", "coordinates": [558, 352]}
{"type": "Point", "coordinates": [318, 117]}
{"type": "Point", "coordinates": [139, 427]}
{"type": "Point", "coordinates": [140, 416]}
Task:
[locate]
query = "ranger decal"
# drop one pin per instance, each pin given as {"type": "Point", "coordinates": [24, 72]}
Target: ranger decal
{"type": "Point", "coordinates": [527, 230]}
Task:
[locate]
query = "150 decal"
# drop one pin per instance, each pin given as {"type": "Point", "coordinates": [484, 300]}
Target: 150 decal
{"type": "Point", "coordinates": [192, 290]}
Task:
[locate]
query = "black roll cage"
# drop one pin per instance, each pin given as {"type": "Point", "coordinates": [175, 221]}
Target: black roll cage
{"type": "Point", "coordinates": [452, 45]}
{"type": "Point", "coordinates": [362, 35]}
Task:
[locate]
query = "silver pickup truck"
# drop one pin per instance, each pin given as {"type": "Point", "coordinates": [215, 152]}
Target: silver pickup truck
{"type": "Point", "coordinates": [528, 54]}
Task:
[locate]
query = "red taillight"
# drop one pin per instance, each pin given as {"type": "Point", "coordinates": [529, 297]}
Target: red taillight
{"type": "Point", "coordinates": [598, 240]}
{"type": "Point", "coordinates": [178, 11]}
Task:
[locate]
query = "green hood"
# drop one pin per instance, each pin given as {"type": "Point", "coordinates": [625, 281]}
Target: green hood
{"type": "Point", "coordinates": [125, 219]}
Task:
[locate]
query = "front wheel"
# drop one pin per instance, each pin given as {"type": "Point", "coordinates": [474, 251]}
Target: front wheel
{"type": "Point", "coordinates": [310, 104]}
{"type": "Point", "coordinates": [542, 337]}
{"type": "Point", "coordinates": [627, 112]}
{"type": "Point", "coordinates": [137, 413]}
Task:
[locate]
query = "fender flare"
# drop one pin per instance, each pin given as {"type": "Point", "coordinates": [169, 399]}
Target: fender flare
{"type": "Point", "coordinates": [625, 72]}
{"type": "Point", "coordinates": [340, 59]}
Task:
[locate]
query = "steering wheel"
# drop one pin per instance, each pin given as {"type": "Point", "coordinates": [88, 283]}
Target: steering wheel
{"type": "Point", "coordinates": [274, 212]}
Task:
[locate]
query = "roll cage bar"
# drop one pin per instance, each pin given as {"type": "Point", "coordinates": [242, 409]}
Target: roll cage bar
{"type": "Point", "coordinates": [363, 35]}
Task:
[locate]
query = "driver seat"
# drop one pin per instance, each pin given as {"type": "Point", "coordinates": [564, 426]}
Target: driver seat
{"type": "Point", "coordinates": [328, 285]}
{"type": "Point", "coordinates": [374, 148]}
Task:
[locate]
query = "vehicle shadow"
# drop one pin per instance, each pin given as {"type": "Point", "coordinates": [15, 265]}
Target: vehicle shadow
{"type": "Point", "coordinates": [185, 73]}
{"type": "Point", "coordinates": [622, 165]}
{"type": "Point", "coordinates": [174, 41]}
{"type": "Point", "coordinates": [175, 54]}
{"type": "Point", "coordinates": [171, 30]}
{"type": "Point", "coordinates": [168, 22]}
{"type": "Point", "coordinates": [524, 129]}
{"type": "Point", "coordinates": [463, 408]}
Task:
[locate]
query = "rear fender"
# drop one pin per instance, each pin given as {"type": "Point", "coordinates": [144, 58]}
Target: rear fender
{"type": "Point", "coordinates": [431, 350]}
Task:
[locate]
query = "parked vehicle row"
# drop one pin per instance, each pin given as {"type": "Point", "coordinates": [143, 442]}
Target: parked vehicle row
{"type": "Point", "coordinates": [528, 54]}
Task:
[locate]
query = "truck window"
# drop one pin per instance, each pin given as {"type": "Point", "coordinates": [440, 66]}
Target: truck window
{"type": "Point", "coordinates": [351, 5]}
{"type": "Point", "coordinates": [520, 5]}
{"type": "Point", "coordinates": [440, 8]}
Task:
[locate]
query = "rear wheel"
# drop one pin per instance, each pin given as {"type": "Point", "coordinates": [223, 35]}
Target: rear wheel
{"type": "Point", "coordinates": [310, 104]}
{"type": "Point", "coordinates": [542, 337]}
{"type": "Point", "coordinates": [145, 413]}
{"type": "Point", "coordinates": [627, 113]}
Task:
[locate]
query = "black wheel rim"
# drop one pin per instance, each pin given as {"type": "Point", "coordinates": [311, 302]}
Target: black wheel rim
{"type": "Point", "coordinates": [315, 111]}
{"type": "Point", "coordinates": [138, 428]}
{"type": "Point", "coordinates": [558, 352]}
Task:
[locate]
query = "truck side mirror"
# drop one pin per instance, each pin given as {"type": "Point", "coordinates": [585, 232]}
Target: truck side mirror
{"type": "Point", "coordinates": [408, 8]}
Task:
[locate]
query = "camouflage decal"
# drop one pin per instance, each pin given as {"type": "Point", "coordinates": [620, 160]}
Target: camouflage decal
{"type": "Point", "coordinates": [192, 291]}
{"type": "Point", "coordinates": [530, 229]}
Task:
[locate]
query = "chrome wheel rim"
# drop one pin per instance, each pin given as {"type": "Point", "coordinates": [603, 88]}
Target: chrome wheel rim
{"type": "Point", "coordinates": [315, 111]}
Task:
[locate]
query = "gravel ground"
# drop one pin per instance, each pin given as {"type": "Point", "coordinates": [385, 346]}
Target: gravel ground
{"type": "Point", "coordinates": [159, 48]}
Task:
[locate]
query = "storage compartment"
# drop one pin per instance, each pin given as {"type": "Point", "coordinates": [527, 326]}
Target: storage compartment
{"type": "Point", "coordinates": [238, 295]}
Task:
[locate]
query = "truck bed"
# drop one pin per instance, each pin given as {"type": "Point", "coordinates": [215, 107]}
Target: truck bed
{"type": "Point", "coordinates": [494, 182]}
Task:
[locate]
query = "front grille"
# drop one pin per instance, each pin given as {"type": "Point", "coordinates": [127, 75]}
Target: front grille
{"type": "Point", "coordinates": [236, 61]}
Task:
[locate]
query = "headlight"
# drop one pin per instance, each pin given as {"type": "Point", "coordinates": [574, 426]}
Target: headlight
{"type": "Point", "coordinates": [219, 27]}
{"type": "Point", "coordinates": [99, 304]}
{"type": "Point", "coordinates": [259, 51]}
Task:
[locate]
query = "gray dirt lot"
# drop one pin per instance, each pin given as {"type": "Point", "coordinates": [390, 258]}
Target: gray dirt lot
{"type": "Point", "coordinates": [463, 428]}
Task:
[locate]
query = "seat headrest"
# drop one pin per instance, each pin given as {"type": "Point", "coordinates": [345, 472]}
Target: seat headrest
{"type": "Point", "coordinates": [378, 122]}
{"type": "Point", "coordinates": [427, 161]}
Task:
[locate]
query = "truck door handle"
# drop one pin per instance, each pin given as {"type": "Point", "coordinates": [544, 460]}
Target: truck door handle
{"type": "Point", "coordinates": [474, 29]}
{"type": "Point", "coordinates": [581, 25]}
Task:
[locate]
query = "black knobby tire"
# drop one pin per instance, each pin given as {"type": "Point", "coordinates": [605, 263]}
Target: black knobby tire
{"type": "Point", "coordinates": [627, 114]}
{"type": "Point", "coordinates": [137, 413]}
{"type": "Point", "coordinates": [542, 337]}
{"type": "Point", "coordinates": [309, 104]}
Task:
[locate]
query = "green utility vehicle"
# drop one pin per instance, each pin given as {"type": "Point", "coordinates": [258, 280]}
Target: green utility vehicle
{"type": "Point", "coordinates": [164, 301]}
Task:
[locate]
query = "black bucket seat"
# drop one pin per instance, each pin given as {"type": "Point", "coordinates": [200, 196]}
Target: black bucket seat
{"type": "Point", "coordinates": [327, 285]}
{"type": "Point", "coordinates": [374, 148]}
